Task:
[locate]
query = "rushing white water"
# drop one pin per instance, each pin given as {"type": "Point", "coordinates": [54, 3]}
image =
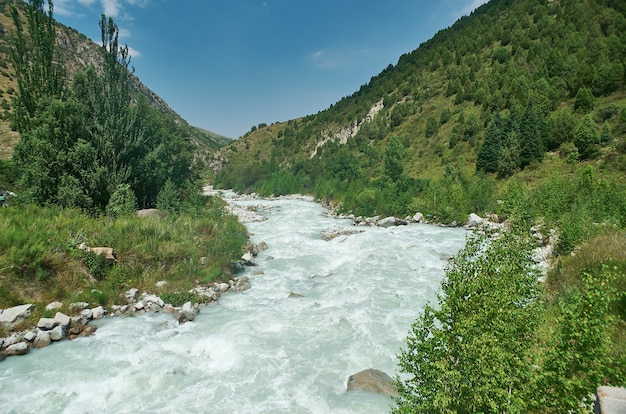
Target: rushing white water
{"type": "Point", "coordinates": [259, 351]}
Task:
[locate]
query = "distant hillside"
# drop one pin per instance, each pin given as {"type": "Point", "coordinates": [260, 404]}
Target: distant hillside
{"type": "Point", "coordinates": [541, 66]}
{"type": "Point", "coordinates": [77, 52]}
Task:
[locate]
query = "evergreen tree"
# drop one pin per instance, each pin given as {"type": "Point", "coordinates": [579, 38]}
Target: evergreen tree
{"type": "Point", "coordinates": [532, 129]}
{"type": "Point", "coordinates": [489, 152]}
{"type": "Point", "coordinates": [394, 159]}
{"type": "Point", "coordinates": [587, 138]}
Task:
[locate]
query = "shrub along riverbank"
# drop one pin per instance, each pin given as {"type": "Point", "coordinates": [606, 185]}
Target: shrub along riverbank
{"type": "Point", "coordinates": [40, 262]}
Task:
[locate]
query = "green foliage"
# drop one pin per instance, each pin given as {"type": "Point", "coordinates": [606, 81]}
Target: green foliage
{"type": "Point", "coordinates": [178, 298]}
{"type": "Point", "coordinates": [432, 126]}
{"type": "Point", "coordinates": [168, 198]}
{"type": "Point", "coordinates": [579, 354]}
{"type": "Point", "coordinates": [561, 127]}
{"type": "Point", "coordinates": [394, 159]}
{"type": "Point", "coordinates": [122, 202]}
{"type": "Point", "coordinates": [40, 260]}
{"type": "Point", "coordinates": [81, 141]}
{"type": "Point", "coordinates": [98, 265]}
{"type": "Point", "coordinates": [489, 300]}
{"type": "Point", "coordinates": [587, 138]}
{"type": "Point", "coordinates": [584, 100]}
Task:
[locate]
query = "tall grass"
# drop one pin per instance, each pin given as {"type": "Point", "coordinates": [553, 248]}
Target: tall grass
{"type": "Point", "coordinates": [40, 262]}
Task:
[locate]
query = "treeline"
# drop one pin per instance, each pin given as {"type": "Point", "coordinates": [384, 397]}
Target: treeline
{"type": "Point", "coordinates": [91, 140]}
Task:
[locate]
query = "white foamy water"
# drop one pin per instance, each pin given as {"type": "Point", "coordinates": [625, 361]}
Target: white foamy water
{"type": "Point", "coordinates": [259, 351]}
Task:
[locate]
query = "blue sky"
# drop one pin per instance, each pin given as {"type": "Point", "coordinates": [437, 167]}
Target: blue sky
{"type": "Point", "coordinates": [226, 65]}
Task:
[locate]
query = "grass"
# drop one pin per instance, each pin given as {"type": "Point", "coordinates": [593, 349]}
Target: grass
{"type": "Point", "coordinates": [39, 261]}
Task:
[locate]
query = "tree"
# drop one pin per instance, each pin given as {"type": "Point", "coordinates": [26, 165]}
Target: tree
{"type": "Point", "coordinates": [38, 73]}
{"type": "Point", "coordinates": [488, 301]}
{"type": "Point", "coordinates": [587, 138]}
{"type": "Point", "coordinates": [432, 126]}
{"type": "Point", "coordinates": [394, 159]}
{"type": "Point", "coordinates": [532, 129]}
{"type": "Point", "coordinates": [584, 100]}
{"type": "Point", "coordinates": [487, 160]}
{"type": "Point", "coordinates": [561, 127]}
{"type": "Point", "coordinates": [509, 159]}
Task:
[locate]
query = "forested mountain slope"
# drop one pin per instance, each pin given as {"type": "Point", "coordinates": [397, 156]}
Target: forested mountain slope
{"type": "Point", "coordinates": [515, 87]}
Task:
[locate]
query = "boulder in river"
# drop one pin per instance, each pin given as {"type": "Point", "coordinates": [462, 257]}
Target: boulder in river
{"type": "Point", "coordinates": [372, 380]}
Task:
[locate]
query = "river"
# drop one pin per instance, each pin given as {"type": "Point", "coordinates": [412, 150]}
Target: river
{"type": "Point", "coordinates": [260, 351]}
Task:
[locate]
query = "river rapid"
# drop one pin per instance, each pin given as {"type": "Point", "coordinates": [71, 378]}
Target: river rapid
{"type": "Point", "coordinates": [260, 351]}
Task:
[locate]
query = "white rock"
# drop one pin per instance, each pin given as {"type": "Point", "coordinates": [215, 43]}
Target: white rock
{"type": "Point", "coordinates": [387, 222]}
{"type": "Point", "coordinates": [78, 306]}
{"type": "Point", "coordinates": [30, 336]}
{"type": "Point", "coordinates": [223, 287]}
{"type": "Point", "coordinates": [19, 348]}
{"type": "Point", "coordinates": [42, 340]}
{"type": "Point", "coordinates": [161, 283]}
{"type": "Point", "coordinates": [86, 314]}
{"type": "Point", "coordinates": [418, 217]}
{"type": "Point", "coordinates": [131, 295]}
{"type": "Point", "coordinates": [12, 316]}
{"type": "Point", "coordinates": [98, 313]}
{"type": "Point", "coordinates": [62, 319]}
{"type": "Point", "coordinates": [139, 305]}
{"type": "Point", "coordinates": [58, 333]}
{"type": "Point", "coordinates": [248, 259]}
{"type": "Point", "coordinates": [474, 220]}
{"type": "Point", "coordinates": [54, 306]}
{"type": "Point", "coordinates": [47, 324]}
{"type": "Point", "coordinates": [154, 299]}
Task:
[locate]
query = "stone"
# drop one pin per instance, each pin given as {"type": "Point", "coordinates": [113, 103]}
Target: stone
{"type": "Point", "coordinates": [47, 324]}
{"type": "Point", "coordinates": [248, 259]}
{"type": "Point", "coordinates": [59, 332]}
{"type": "Point", "coordinates": [610, 400]}
{"type": "Point", "coordinates": [187, 313]}
{"type": "Point", "coordinates": [30, 336]}
{"type": "Point", "coordinates": [262, 246]}
{"type": "Point", "coordinates": [295, 295]}
{"type": "Point", "coordinates": [162, 283]}
{"type": "Point", "coordinates": [387, 222]}
{"type": "Point", "coordinates": [11, 317]}
{"type": "Point", "coordinates": [54, 306]}
{"type": "Point", "coordinates": [139, 305]}
{"type": "Point", "coordinates": [78, 306]}
{"type": "Point", "coordinates": [372, 380]}
{"type": "Point", "coordinates": [131, 295]}
{"type": "Point", "coordinates": [223, 287]}
{"type": "Point", "coordinates": [19, 348]}
{"type": "Point", "coordinates": [88, 330]}
{"type": "Point", "coordinates": [474, 220]}
{"type": "Point", "coordinates": [63, 319]}
{"type": "Point", "coordinates": [150, 212]}
{"type": "Point", "coordinates": [154, 299]}
{"type": "Point", "coordinates": [98, 313]}
{"type": "Point", "coordinates": [86, 314]}
{"type": "Point", "coordinates": [42, 340]}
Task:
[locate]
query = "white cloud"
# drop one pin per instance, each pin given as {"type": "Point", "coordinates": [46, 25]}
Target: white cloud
{"type": "Point", "coordinates": [111, 8]}
{"type": "Point", "coordinates": [123, 33]}
{"type": "Point", "coordinates": [471, 7]}
{"type": "Point", "coordinates": [133, 52]}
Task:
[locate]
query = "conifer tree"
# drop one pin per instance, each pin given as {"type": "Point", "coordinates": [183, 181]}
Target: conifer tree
{"type": "Point", "coordinates": [489, 152]}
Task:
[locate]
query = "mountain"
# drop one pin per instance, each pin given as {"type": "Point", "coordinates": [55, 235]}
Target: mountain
{"type": "Point", "coordinates": [77, 52]}
{"type": "Point", "coordinates": [528, 71]}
